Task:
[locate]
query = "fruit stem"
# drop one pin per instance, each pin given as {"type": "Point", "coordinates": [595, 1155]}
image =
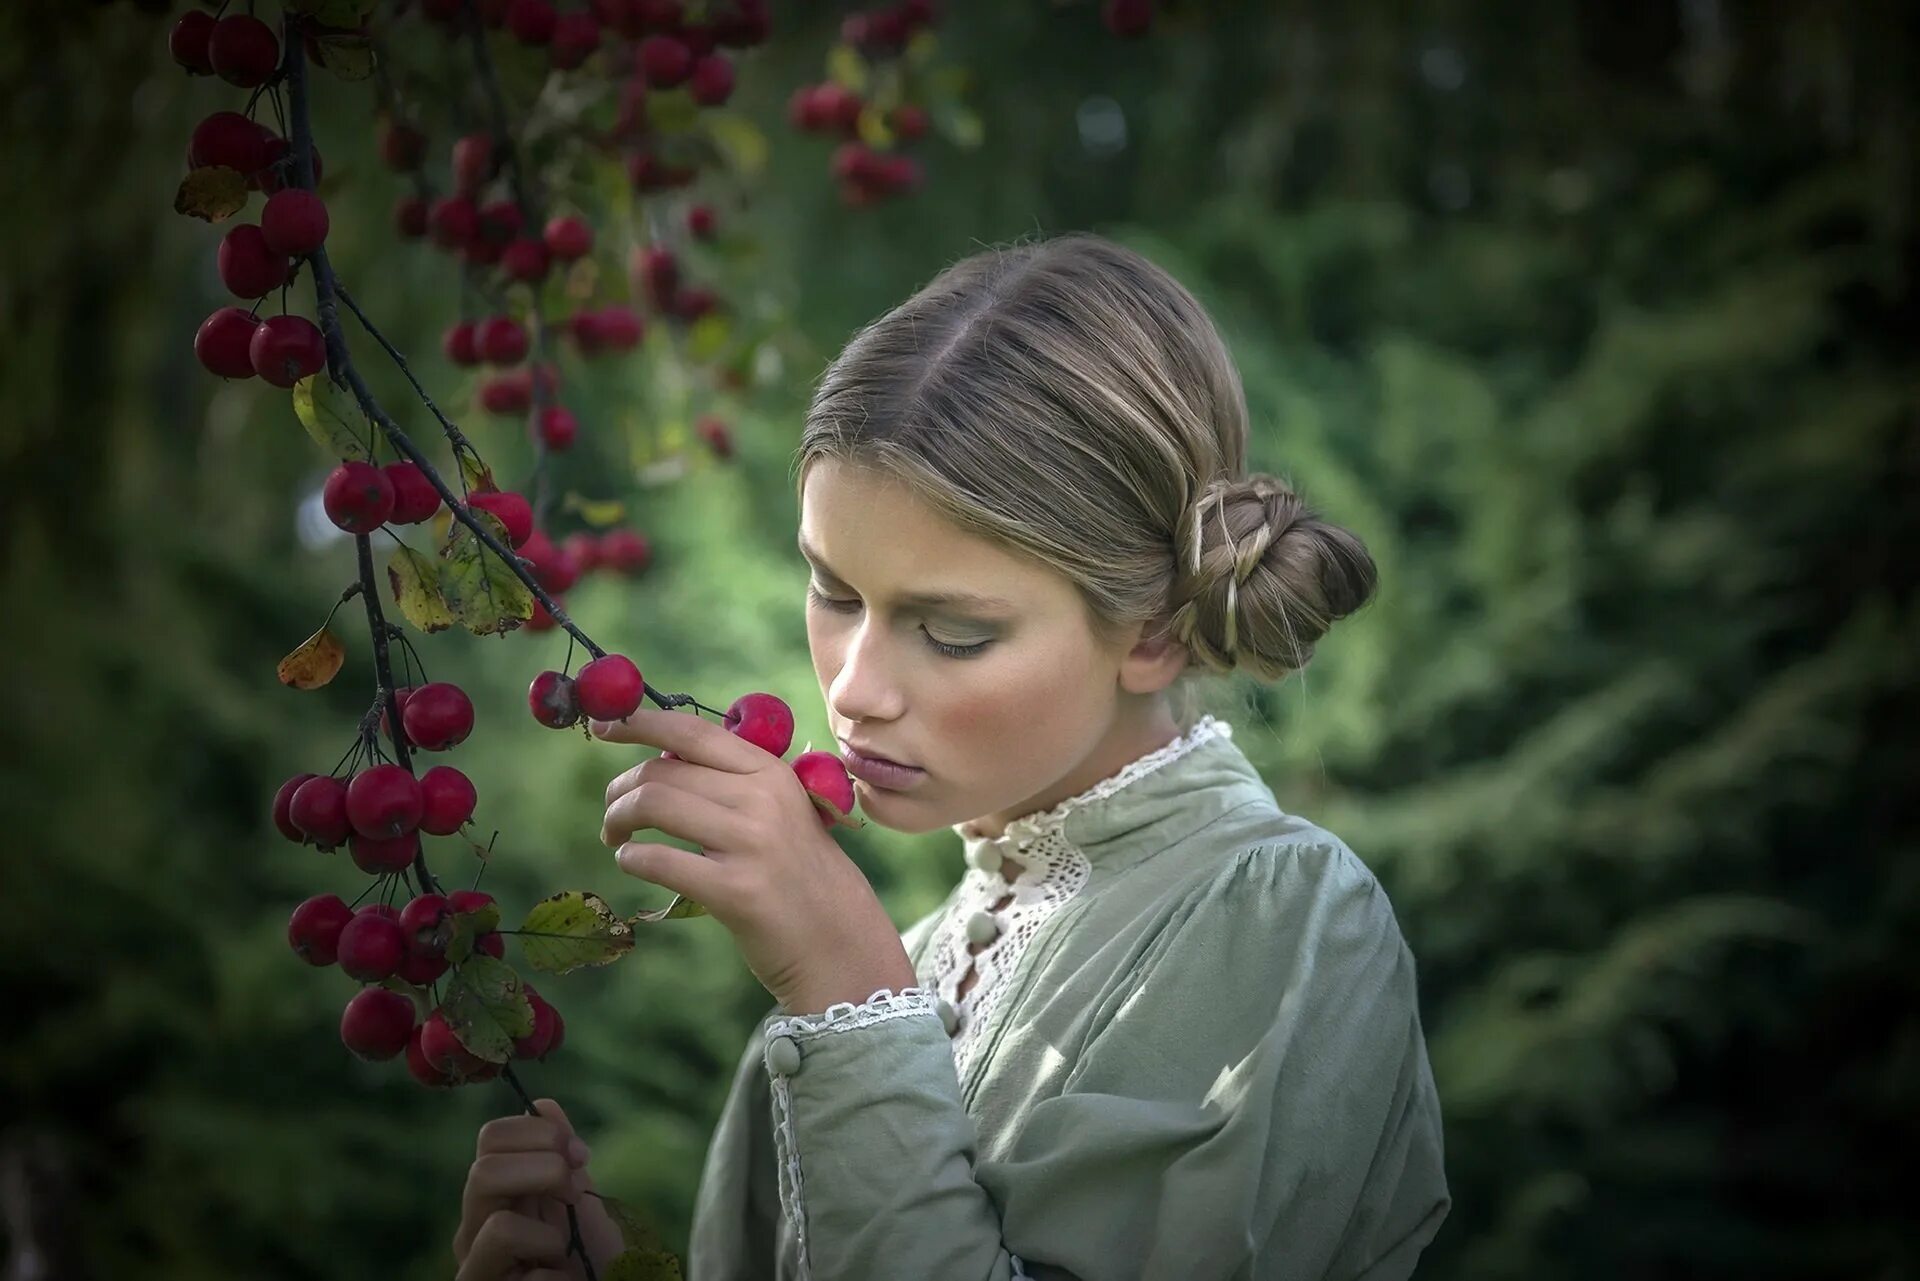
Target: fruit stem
{"type": "Point", "coordinates": [383, 671]}
{"type": "Point", "coordinates": [503, 141]}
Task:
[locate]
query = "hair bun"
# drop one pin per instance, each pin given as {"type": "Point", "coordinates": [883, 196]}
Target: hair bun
{"type": "Point", "coordinates": [1262, 577]}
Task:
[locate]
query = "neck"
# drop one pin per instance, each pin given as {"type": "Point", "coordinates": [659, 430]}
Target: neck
{"type": "Point", "coordinates": [1127, 741]}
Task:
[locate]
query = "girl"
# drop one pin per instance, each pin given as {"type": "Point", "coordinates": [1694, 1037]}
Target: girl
{"type": "Point", "coordinates": [1160, 1028]}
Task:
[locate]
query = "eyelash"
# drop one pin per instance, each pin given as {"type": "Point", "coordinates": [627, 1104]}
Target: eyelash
{"type": "Point", "coordinates": [843, 606]}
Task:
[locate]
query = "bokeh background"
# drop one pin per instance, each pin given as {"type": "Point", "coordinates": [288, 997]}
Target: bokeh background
{"type": "Point", "coordinates": [1595, 320]}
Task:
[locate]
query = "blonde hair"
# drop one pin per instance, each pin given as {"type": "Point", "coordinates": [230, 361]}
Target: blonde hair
{"type": "Point", "coordinates": [1069, 400]}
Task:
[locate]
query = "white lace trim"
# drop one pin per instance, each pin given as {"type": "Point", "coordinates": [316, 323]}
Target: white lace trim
{"type": "Point", "coordinates": [844, 1016]}
{"type": "Point", "coordinates": [1054, 872]}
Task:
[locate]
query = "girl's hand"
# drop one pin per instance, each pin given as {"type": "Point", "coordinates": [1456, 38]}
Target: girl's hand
{"type": "Point", "coordinates": [806, 920]}
{"type": "Point", "coordinates": [513, 1221]}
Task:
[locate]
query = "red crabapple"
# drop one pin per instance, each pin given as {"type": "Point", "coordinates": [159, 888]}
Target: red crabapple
{"type": "Point", "coordinates": [700, 222]}
{"type": "Point", "coordinates": [542, 619]}
{"type": "Point", "coordinates": [453, 221]}
{"type": "Point", "coordinates": [371, 946]}
{"type": "Point", "coordinates": [285, 349]}
{"type": "Point", "coordinates": [421, 970]}
{"type": "Point", "coordinates": [248, 267]}
{"type": "Point", "coordinates": [282, 803]}
{"type": "Point", "coordinates": [224, 341]}
{"type": "Point", "coordinates": [664, 61]}
{"type": "Point", "coordinates": [556, 428]}
{"type": "Point", "coordinates": [763, 720]}
{"type": "Point", "coordinates": [417, 1065]}
{"type": "Point", "coordinates": [383, 800]}
{"type": "Point", "coordinates": [469, 900]}
{"type": "Point", "coordinates": [447, 799]}
{"type": "Point", "coordinates": [459, 344]}
{"type": "Point", "coordinates": [318, 807]}
{"type": "Point", "coordinates": [410, 217]}
{"type": "Point", "coordinates": [825, 776]}
{"type": "Point", "coordinates": [609, 688]}
{"type": "Point", "coordinates": [473, 162]}
{"type": "Point", "coordinates": [187, 42]}
{"type": "Point", "coordinates": [425, 922]}
{"type": "Point", "coordinates": [402, 147]}
{"type": "Point", "coordinates": [525, 260]}
{"type": "Point", "coordinates": [711, 82]}
{"type": "Point", "coordinates": [358, 497]}
{"type": "Point", "coordinates": [229, 138]}
{"type": "Point", "coordinates": [575, 37]}
{"type": "Point", "coordinates": [552, 568]}
{"type": "Point", "coordinates": [625, 551]}
{"type": "Point", "coordinates": [568, 237]}
{"type": "Point", "coordinates": [508, 393]}
{"type": "Point", "coordinates": [501, 340]}
{"type": "Point", "coordinates": [439, 716]}
{"type": "Point", "coordinates": [532, 21]}
{"type": "Point", "coordinates": [243, 50]}
{"type": "Point", "coordinates": [442, 1049]}
{"type": "Point", "coordinates": [313, 931]}
{"type": "Point", "coordinates": [546, 1021]}
{"type": "Point", "coordinates": [377, 1023]}
{"type": "Point", "coordinates": [513, 510]}
{"type": "Point", "coordinates": [294, 222]}
{"type": "Point", "coordinates": [583, 549]}
{"type": "Point", "coordinates": [376, 855]}
{"type": "Point", "coordinates": [414, 497]}
{"type": "Point", "coordinates": [554, 700]}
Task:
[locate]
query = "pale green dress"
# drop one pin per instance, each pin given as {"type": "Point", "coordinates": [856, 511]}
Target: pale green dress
{"type": "Point", "coordinates": [1193, 1053]}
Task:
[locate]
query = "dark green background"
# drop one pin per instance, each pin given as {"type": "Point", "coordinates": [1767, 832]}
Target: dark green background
{"type": "Point", "coordinates": [1595, 320]}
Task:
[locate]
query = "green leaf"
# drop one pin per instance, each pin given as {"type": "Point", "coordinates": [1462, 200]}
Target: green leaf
{"type": "Point", "coordinates": [348, 55]}
{"type": "Point", "coordinates": [571, 929]}
{"type": "Point", "coordinates": [635, 1232]}
{"type": "Point", "coordinates": [477, 474]}
{"type": "Point", "coordinates": [332, 417]}
{"type": "Point", "coordinates": [643, 1265]}
{"type": "Point", "coordinates": [487, 1007]}
{"type": "Point", "coordinates": [485, 595]}
{"type": "Point", "coordinates": [467, 926]}
{"type": "Point", "coordinates": [681, 908]}
{"type": "Point", "coordinates": [707, 337]}
{"type": "Point", "coordinates": [740, 140]}
{"type": "Point", "coordinates": [672, 111]}
{"type": "Point", "coordinates": [415, 582]}
{"type": "Point", "coordinates": [213, 193]}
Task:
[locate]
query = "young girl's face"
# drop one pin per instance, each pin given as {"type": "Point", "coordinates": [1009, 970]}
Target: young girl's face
{"type": "Point", "coordinates": [1000, 696]}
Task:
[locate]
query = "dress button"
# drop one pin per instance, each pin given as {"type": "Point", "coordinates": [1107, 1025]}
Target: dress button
{"type": "Point", "coordinates": [949, 1017]}
{"type": "Point", "coordinates": [783, 1056]}
{"type": "Point", "coordinates": [987, 858]}
{"type": "Point", "coordinates": [982, 927]}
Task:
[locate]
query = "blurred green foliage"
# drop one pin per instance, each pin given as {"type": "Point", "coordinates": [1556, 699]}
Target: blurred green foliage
{"type": "Point", "coordinates": [1594, 321]}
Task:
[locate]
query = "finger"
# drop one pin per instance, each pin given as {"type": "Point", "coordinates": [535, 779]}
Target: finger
{"type": "Point", "coordinates": [572, 1146]}
{"type": "Point", "coordinates": [717, 785]}
{"type": "Point", "coordinates": [686, 736]}
{"type": "Point", "coordinates": [496, 1179]}
{"type": "Point", "coordinates": [522, 1133]}
{"type": "Point", "coordinates": [506, 1241]}
{"type": "Point", "coordinates": [694, 875]}
{"type": "Point", "coordinates": [661, 806]}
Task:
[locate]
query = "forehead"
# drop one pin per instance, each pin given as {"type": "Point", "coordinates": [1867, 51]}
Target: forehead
{"type": "Point", "coordinates": [871, 530]}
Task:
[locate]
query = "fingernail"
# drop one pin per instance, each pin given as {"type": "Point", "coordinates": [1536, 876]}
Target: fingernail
{"type": "Point", "coordinates": [577, 1152]}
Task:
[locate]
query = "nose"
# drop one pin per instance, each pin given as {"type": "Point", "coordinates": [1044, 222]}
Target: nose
{"type": "Point", "coordinates": [863, 689]}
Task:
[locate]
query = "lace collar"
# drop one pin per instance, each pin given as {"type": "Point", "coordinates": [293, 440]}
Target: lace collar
{"type": "Point", "coordinates": [1145, 792]}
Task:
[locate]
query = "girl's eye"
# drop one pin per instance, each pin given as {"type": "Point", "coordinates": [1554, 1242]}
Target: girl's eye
{"type": "Point", "coordinates": [848, 606]}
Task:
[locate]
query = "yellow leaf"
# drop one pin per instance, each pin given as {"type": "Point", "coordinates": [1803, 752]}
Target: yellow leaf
{"type": "Point", "coordinates": [485, 595]}
{"type": "Point", "coordinates": [598, 512]}
{"type": "Point", "coordinates": [745, 147]}
{"type": "Point", "coordinates": [213, 193]}
{"type": "Point", "coordinates": [415, 582]}
{"type": "Point", "coordinates": [846, 67]}
{"type": "Point", "coordinates": [316, 662]}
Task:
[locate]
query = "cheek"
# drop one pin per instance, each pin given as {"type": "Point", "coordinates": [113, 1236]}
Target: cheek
{"type": "Point", "coordinates": [1017, 700]}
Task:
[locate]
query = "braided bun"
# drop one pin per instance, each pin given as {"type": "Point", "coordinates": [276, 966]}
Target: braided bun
{"type": "Point", "coordinates": [1262, 577]}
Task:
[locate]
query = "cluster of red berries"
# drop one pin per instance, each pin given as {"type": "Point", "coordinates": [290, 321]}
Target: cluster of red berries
{"type": "Point", "coordinates": [360, 497]}
{"type": "Point", "coordinates": [655, 270]}
{"type": "Point", "coordinates": [239, 48]}
{"type": "Point", "coordinates": [257, 258]}
{"type": "Point", "coordinates": [607, 689]}
{"type": "Point", "coordinates": [558, 566]}
{"type": "Point", "coordinates": [867, 175]}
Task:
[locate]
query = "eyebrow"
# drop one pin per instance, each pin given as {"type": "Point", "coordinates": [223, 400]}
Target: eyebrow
{"type": "Point", "coordinates": [935, 600]}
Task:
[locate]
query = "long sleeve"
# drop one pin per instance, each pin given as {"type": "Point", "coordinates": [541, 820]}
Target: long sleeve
{"type": "Point", "coordinates": [1252, 1101]}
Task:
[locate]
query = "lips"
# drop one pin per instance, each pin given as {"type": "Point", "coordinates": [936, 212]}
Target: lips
{"type": "Point", "coordinates": [875, 756]}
